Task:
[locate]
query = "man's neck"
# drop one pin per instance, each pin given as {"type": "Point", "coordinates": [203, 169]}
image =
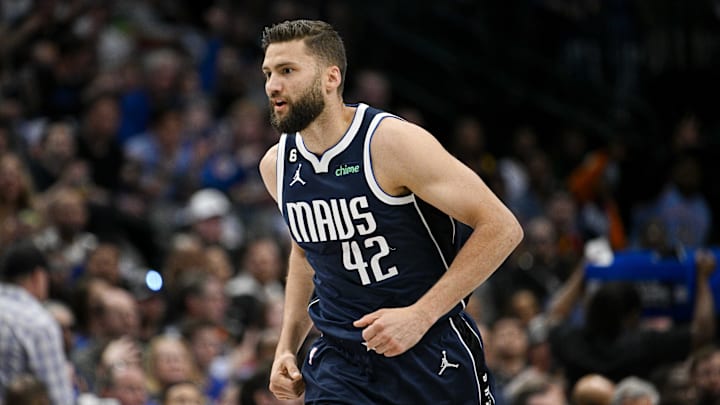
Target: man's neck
{"type": "Point", "coordinates": [328, 128]}
{"type": "Point", "coordinates": [19, 286]}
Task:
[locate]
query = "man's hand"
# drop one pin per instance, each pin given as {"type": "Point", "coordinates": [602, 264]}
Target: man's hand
{"type": "Point", "coordinates": [285, 379]}
{"type": "Point", "coordinates": [121, 352]}
{"type": "Point", "coordinates": [393, 331]}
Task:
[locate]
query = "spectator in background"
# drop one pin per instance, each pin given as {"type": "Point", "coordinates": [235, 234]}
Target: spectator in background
{"type": "Point", "coordinates": [469, 145]}
{"type": "Point", "coordinates": [219, 263]}
{"type": "Point", "coordinates": [242, 139]}
{"type": "Point", "coordinates": [183, 393]}
{"type": "Point", "coordinates": [635, 391]}
{"type": "Point", "coordinates": [524, 305]}
{"type": "Point", "coordinates": [230, 395]}
{"type": "Point", "coordinates": [534, 266]}
{"type": "Point", "coordinates": [104, 262]}
{"type": "Point", "coordinates": [211, 220]}
{"type": "Point", "coordinates": [65, 239]}
{"type": "Point", "coordinates": [540, 355]}
{"type": "Point", "coordinates": [592, 186]}
{"type": "Point", "coordinates": [541, 184]}
{"type": "Point", "coordinates": [682, 207]}
{"type": "Point", "coordinates": [125, 383]}
{"type": "Point", "coordinates": [163, 157]}
{"type": "Point", "coordinates": [66, 320]}
{"type": "Point", "coordinates": [206, 342]}
{"type": "Point", "coordinates": [256, 284]}
{"type": "Point", "coordinates": [117, 316]}
{"type": "Point", "coordinates": [675, 384]}
{"type": "Point", "coordinates": [562, 212]}
{"type": "Point", "coordinates": [86, 301]}
{"type": "Point", "coordinates": [534, 388]}
{"type": "Point", "coordinates": [159, 87]}
{"type": "Point", "coordinates": [55, 153]}
{"type": "Point", "coordinates": [199, 295]}
{"type": "Point", "coordinates": [20, 213]}
{"type": "Point", "coordinates": [152, 308]}
{"type": "Point", "coordinates": [193, 291]}
{"type": "Point", "coordinates": [168, 361]}
{"type": "Point", "coordinates": [30, 338]}
{"type": "Point", "coordinates": [512, 168]}
{"type": "Point", "coordinates": [612, 342]}
{"type": "Point", "coordinates": [593, 389]}
{"type": "Point", "coordinates": [510, 350]}
{"type": "Point", "coordinates": [97, 142]}
{"type": "Point", "coordinates": [26, 389]}
{"type": "Point", "coordinates": [705, 374]}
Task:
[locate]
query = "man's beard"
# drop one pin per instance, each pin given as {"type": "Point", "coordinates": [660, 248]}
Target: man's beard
{"type": "Point", "coordinates": [301, 112]}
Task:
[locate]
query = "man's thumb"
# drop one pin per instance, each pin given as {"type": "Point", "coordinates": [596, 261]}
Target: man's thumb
{"type": "Point", "coordinates": [293, 372]}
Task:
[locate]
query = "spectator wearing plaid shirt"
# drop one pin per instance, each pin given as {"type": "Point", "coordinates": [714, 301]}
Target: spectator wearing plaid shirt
{"type": "Point", "coordinates": [30, 338]}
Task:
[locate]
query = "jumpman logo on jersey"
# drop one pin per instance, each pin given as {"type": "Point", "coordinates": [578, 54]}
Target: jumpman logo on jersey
{"type": "Point", "coordinates": [296, 177]}
{"type": "Point", "coordinates": [444, 363]}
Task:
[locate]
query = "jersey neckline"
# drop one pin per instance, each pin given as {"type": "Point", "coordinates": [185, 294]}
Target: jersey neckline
{"type": "Point", "coordinates": [322, 164]}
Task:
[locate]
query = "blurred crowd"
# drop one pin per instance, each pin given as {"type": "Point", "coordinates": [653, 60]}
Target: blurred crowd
{"type": "Point", "coordinates": [130, 133]}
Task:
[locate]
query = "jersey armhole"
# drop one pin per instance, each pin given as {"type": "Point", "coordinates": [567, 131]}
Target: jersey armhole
{"type": "Point", "coordinates": [370, 178]}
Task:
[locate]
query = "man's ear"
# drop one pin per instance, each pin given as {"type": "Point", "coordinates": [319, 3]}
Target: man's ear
{"type": "Point", "coordinates": [333, 79]}
{"type": "Point", "coordinates": [39, 283]}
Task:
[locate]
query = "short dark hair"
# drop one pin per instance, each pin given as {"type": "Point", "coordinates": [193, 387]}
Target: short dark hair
{"type": "Point", "coordinates": [27, 389]}
{"type": "Point", "coordinates": [610, 306]}
{"type": "Point", "coordinates": [320, 38]}
{"type": "Point", "coordinates": [21, 259]}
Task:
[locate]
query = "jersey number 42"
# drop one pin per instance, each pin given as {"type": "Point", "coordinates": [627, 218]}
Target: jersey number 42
{"type": "Point", "coordinates": [353, 259]}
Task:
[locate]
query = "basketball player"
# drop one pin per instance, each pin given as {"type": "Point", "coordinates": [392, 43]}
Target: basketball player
{"type": "Point", "coordinates": [390, 233]}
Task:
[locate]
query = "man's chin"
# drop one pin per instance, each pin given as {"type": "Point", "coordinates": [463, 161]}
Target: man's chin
{"type": "Point", "coordinates": [286, 128]}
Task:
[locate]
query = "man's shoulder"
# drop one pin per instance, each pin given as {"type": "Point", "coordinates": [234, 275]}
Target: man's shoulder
{"type": "Point", "coordinates": [21, 309]}
{"type": "Point", "coordinates": [271, 152]}
{"type": "Point", "coordinates": [269, 159]}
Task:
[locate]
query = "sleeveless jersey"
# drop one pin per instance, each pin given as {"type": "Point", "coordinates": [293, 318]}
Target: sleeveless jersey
{"type": "Point", "coordinates": [369, 250]}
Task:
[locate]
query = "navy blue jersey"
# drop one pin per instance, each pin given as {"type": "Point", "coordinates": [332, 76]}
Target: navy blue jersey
{"type": "Point", "coordinates": [369, 250]}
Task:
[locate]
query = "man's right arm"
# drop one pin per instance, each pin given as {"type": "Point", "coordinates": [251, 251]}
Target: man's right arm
{"type": "Point", "coordinates": [703, 322]}
{"type": "Point", "coordinates": [285, 378]}
{"type": "Point", "coordinates": [298, 290]}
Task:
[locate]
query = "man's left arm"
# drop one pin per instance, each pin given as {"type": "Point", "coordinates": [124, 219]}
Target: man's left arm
{"type": "Point", "coordinates": [407, 158]}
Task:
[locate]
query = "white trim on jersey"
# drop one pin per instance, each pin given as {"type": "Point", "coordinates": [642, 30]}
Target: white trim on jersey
{"type": "Point", "coordinates": [313, 302]}
{"type": "Point", "coordinates": [472, 358]}
{"type": "Point", "coordinates": [322, 165]}
{"type": "Point", "coordinates": [429, 231]}
{"type": "Point", "coordinates": [370, 178]}
{"type": "Point", "coordinates": [280, 170]}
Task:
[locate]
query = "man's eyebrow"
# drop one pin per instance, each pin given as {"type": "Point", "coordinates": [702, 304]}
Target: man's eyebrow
{"type": "Point", "coordinates": [280, 65]}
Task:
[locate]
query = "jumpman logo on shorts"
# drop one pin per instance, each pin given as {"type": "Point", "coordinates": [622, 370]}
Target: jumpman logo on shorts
{"type": "Point", "coordinates": [444, 363]}
{"type": "Point", "coordinates": [296, 177]}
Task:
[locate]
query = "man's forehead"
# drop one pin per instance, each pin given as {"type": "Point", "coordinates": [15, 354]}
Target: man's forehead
{"type": "Point", "coordinates": [286, 52]}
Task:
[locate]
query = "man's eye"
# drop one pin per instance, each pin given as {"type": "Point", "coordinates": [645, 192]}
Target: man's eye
{"type": "Point", "coordinates": [287, 70]}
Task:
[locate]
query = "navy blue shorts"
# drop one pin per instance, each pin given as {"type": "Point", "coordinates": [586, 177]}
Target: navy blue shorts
{"type": "Point", "coordinates": [447, 366]}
